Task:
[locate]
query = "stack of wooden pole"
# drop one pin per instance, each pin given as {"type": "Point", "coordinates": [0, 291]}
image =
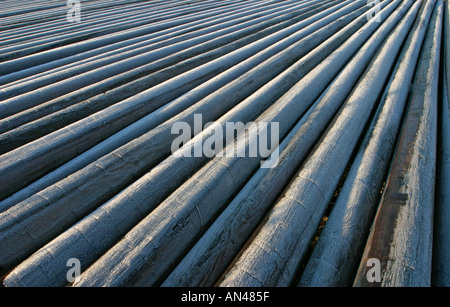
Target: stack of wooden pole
{"type": "Point", "coordinates": [88, 171]}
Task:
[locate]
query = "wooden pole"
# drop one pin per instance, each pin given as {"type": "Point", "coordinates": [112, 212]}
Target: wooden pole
{"type": "Point", "coordinates": [197, 205]}
{"type": "Point", "coordinates": [29, 54]}
{"type": "Point", "coordinates": [204, 39]}
{"type": "Point", "coordinates": [170, 35]}
{"type": "Point", "coordinates": [293, 220]}
{"type": "Point", "coordinates": [338, 252]}
{"type": "Point", "coordinates": [45, 118]}
{"type": "Point", "coordinates": [55, 149]}
{"type": "Point", "coordinates": [166, 112]}
{"type": "Point", "coordinates": [402, 234]}
{"type": "Point", "coordinates": [208, 259]}
{"type": "Point", "coordinates": [155, 185]}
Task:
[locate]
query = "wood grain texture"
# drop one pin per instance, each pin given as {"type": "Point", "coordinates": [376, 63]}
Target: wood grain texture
{"type": "Point", "coordinates": [49, 87]}
{"type": "Point", "coordinates": [208, 259]}
{"type": "Point", "coordinates": [36, 122]}
{"type": "Point", "coordinates": [52, 150]}
{"type": "Point", "coordinates": [295, 217]}
{"type": "Point", "coordinates": [59, 69]}
{"type": "Point", "coordinates": [194, 202]}
{"type": "Point", "coordinates": [25, 56]}
{"type": "Point", "coordinates": [91, 165]}
{"type": "Point", "coordinates": [115, 170]}
{"type": "Point", "coordinates": [402, 234]}
{"type": "Point", "coordinates": [337, 255]}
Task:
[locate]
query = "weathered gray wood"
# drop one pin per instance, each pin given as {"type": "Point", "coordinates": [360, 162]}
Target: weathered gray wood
{"type": "Point", "coordinates": [142, 84]}
{"type": "Point", "coordinates": [121, 20]}
{"type": "Point", "coordinates": [32, 17]}
{"type": "Point", "coordinates": [337, 255]}
{"type": "Point", "coordinates": [173, 171]}
{"type": "Point", "coordinates": [119, 64]}
{"type": "Point", "coordinates": [101, 10]}
{"type": "Point", "coordinates": [71, 61]}
{"type": "Point", "coordinates": [114, 19]}
{"type": "Point", "coordinates": [18, 52]}
{"type": "Point", "coordinates": [150, 121]}
{"type": "Point", "coordinates": [34, 13]}
{"type": "Point", "coordinates": [236, 27]}
{"type": "Point", "coordinates": [93, 12]}
{"type": "Point", "coordinates": [401, 237]}
{"type": "Point", "coordinates": [441, 245]}
{"type": "Point", "coordinates": [54, 149]}
{"type": "Point", "coordinates": [295, 217]}
{"type": "Point", "coordinates": [158, 117]}
{"type": "Point", "coordinates": [45, 118]}
{"type": "Point", "coordinates": [208, 259]}
{"type": "Point", "coordinates": [179, 198]}
{"type": "Point", "coordinates": [27, 9]}
{"type": "Point", "coordinates": [172, 226]}
{"type": "Point", "coordinates": [60, 52]}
